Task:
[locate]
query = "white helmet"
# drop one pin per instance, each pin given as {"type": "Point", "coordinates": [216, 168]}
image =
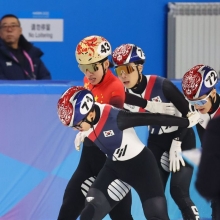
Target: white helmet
{"type": "Point", "coordinates": [92, 49]}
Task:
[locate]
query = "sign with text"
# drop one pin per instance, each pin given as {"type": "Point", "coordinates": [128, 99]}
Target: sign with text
{"type": "Point", "coordinates": [43, 30]}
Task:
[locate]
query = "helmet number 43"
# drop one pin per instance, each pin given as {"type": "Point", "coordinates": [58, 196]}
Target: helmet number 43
{"type": "Point", "coordinates": [104, 48]}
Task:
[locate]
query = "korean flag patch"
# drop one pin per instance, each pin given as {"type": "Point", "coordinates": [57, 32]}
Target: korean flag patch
{"type": "Point", "coordinates": [156, 99]}
{"type": "Point", "coordinates": [108, 133]}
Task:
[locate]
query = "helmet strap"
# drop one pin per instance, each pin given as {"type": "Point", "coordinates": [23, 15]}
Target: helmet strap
{"type": "Point", "coordinates": [104, 73]}
{"type": "Point", "coordinates": [139, 79]}
{"type": "Point", "coordinates": [215, 103]}
{"type": "Point", "coordinates": [139, 76]}
{"type": "Point", "coordinates": [91, 123]}
{"type": "Point", "coordinates": [87, 121]}
{"type": "Point", "coordinates": [212, 100]}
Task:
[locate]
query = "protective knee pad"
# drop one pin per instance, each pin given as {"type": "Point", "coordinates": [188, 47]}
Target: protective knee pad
{"type": "Point", "coordinates": [96, 207]}
{"type": "Point", "coordinates": [187, 207]}
{"type": "Point", "coordinates": [156, 209]}
{"type": "Point", "coordinates": [86, 185]}
{"type": "Point", "coordinates": [164, 161]}
{"type": "Point", "coordinates": [118, 189]}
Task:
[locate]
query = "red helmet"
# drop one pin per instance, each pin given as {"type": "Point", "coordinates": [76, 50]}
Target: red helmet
{"type": "Point", "coordinates": [198, 81]}
{"type": "Point", "coordinates": [127, 53]}
{"type": "Point", "coordinates": [74, 105]}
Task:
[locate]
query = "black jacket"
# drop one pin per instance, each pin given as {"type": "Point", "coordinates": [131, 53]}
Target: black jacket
{"type": "Point", "coordinates": [10, 69]}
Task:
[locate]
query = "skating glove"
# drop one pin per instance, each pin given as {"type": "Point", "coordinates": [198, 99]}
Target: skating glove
{"type": "Point", "coordinates": [175, 156]}
{"type": "Point", "coordinates": [160, 107]}
{"type": "Point", "coordinates": [79, 139]}
{"type": "Point", "coordinates": [193, 118]}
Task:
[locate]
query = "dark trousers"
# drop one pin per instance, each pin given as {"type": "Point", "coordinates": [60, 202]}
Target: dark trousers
{"type": "Point", "coordinates": [141, 173]}
{"type": "Point", "coordinates": [91, 162]}
{"type": "Point", "coordinates": [180, 180]}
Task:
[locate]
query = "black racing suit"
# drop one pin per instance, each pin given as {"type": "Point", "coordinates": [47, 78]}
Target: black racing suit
{"type": "Point", "coordinates": [160, 139]}
{"type": "Point", "coordinates": [129, 161]}
{"type": "Point", "coordinates": [91, 162]}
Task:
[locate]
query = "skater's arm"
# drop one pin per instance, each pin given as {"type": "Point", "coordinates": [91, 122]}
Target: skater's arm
{"type": "Point", "coordinates": [132, 119]}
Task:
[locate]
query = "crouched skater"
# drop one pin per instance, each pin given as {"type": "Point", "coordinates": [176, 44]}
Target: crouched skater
{"type": "Point", "coordinates": [128, 160]}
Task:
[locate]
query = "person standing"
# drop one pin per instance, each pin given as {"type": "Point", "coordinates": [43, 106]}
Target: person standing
{"type": "Point", "coordinates": [198, 85]}
{"type": "Point", "coordinates": [166, 142]}
{"type": "Point", "coordinates": [92, 54]}
{"type": "Point", "coordinates": [19, 59]}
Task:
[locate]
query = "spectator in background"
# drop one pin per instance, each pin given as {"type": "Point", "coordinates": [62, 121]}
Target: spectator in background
{"type": "Point", "coordinates": [208, 178]}
{"type": "Point", "coordinates": [19, 59]}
